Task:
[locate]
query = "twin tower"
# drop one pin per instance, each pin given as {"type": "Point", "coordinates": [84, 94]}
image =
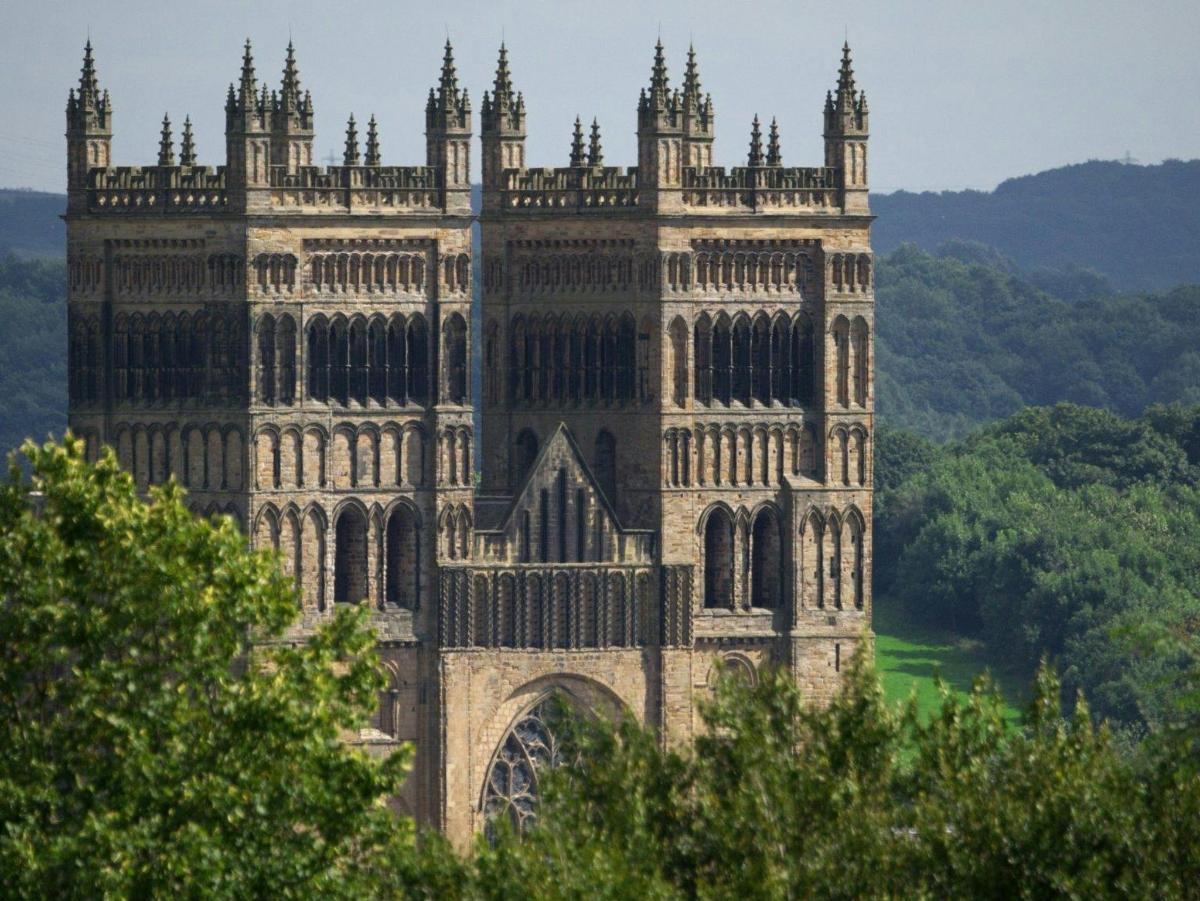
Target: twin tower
{"type": "Point", "coordinates": [671, 470]}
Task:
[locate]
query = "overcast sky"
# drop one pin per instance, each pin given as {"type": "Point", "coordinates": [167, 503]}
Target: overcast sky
{"type": "Point", "coordinates": [962, 94]}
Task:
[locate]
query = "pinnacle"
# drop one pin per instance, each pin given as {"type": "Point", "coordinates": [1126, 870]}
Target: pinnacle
{"type": "Point", "coordinates": [187, 147]}
{"type": "Point", "coordinates": [756, 151]}
{"type": "Point", "coordinates": [658, 74]}
{"type": "Point", "coordinates": [595, 151]}
{"type": "Point", "coordinates": [166, 153]}
{"type": "Point", "coordinates": [577, 156]}
{"type": "Point", "coordinates": [350, 157]}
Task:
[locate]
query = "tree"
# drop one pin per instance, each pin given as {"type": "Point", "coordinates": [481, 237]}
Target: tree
{"type": "Point", "coordinates": [160, 735]}
{"type": "Point", "coordinates": [781, 799]}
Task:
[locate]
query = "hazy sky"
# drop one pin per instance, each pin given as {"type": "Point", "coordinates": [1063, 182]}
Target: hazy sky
{"type": "Point", "coordinates": [962, 94]}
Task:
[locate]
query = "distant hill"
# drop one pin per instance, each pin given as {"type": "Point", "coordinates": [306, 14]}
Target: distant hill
{"type": "Point", "coordinates": [30, 225]}
{"type": "Point", "coordinates": [963, 340]}
{"type": "Point", "coordinates": [1137, 225]}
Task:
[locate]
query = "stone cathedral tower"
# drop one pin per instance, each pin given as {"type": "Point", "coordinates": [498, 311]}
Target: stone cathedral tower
{"type": "Point", "coordinates": [677, 397]}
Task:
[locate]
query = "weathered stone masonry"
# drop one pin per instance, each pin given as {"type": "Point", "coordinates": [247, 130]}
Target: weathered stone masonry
{"type": "Point", "coordinates": [677, 395]}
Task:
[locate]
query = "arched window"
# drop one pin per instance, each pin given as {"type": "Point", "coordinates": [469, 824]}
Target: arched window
{"type": "Point", "coordinates": [527, 753]}
{"type": "Point", "coordinates": [318, 360]}
{"type": "Point", "coordinates": [377, 354]}
{"type": "Point", "coordinates": [359, 374]}
{"type": "Point", "coordinates": [803, 368]}
{"type": "Point", "coordinates": [403, 559]}
{"type": "Point", "coordinates": [766, 562]}
{"type": "Point", "coordinates": [350, 563]}
{"type": "Point", "coordinates": [397, 371]}
{"type": "Point", "coordinates": [722, 360]}
{"type": "Point", "coordinates": [455, 350]}
{"type": "Point", "coordinates": [606, 464]}
{"type": "Point", "coordinates": [718, 559]}
{"type": "Point", "coordinates": [841, 352]}
{"type": "Point", "coordinates": [626, 358]}
{"type": "Point", "coordinates": [266, 360]}
{"type": "Point", "coordinates": [285, 352]}
{"type": "Point", "coordinates": [526, 454]}
{"type": "Point", "coordinates": [678, 362]}
{"type": "Point", "coordinates": [418, 359]}
{"type": "Point", "coordinates": [339, 362]}
{"type": "Point", "coordinates": [859, 367]}
{"type": "Point", "coordinates": [703, 343]}
{"type": "Point", "coordinates": [760, 360]}
{"type": "Point", "coordinates": [780, 365]}
{"type": "Point", "coordinates": [741, 361]}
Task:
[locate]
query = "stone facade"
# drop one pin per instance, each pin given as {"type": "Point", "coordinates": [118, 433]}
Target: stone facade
{"type": "Point", "coordinates": [677, 396]}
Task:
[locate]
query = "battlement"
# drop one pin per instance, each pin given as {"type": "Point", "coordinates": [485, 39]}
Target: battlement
{"type": "Point", "coordinates": [582, 188]}
{"type": "Point", "coordinates": [269, 166]}
{"type": "Point", "coordinates": [178, 189]}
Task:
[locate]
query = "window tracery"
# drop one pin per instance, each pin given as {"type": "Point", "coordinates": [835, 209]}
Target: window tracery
{"type": "Point", "coordinates": [529, 750]}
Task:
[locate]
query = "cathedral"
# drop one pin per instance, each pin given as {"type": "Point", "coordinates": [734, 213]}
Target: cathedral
{"type": "Point", "coordinates": [670, 472]}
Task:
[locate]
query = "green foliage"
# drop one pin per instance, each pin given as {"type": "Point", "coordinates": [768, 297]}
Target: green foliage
{"type": "Point", "coordinates": [779, 799]}
{"type": "Point", "coordinates": [159, 736]}
{"type": "Point", "coordinates": [963, 340]}
{"type": "Point", "coordinates": [1065, 531]}
{"type": "Point", "coordinates": [1136, 225]}
{"type": "Point", "coordinates": [33, 351]}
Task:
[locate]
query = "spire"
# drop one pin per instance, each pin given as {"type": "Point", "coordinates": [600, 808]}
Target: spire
{"type": "Point", "coordinates": [448, 83]}
{"type": "Point", "coordinates": [89, 85]}
{"type": "Point", "coordinates": [249, 84]}
{"type": "Point", "coordinates": [691, 81]}
{"type": "Point", "coordinates": [756, 151]}
{"type": "Point", "coordinates": [774, 158]}
{"type": "Point", "coordinates": [350, 158]}
{"type": "Point", "coordinates": [845, 85]}
{"type": "Point", "coordinates": [187, 146]}
{"type": "Point", "coordinates": [503, 83]}
{"type": "Point", "coordinates": [658, 74]}
{"type": "Point", "coordinates": [166, 152]}
{"type": "Point", "coordinates": [595, 151]}
{"type": "Point", "coordinates": [577, 157]}
{"type": "Point", "coordinates": [372, 156]}
{"type": "Point", "coordinates": [289, 96]}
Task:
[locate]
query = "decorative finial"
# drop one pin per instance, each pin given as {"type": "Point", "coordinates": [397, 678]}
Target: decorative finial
{"type": "Point", "coordinates": [577, 157]}
{"type": "Point", "coordinates": [595, 151]}
{"type": "Point", "coordinates": [774, 157]}
{"type": "Point", "coordinates": [166, 152]}
{"type": "Point", "coordinates": [187, 146]}
{"type": "Point", "coordinates": [756, 151]}
{"type": "Point", "coordinates": [350, 157]}
{"type": "Point", "coordinates": [372, 155]}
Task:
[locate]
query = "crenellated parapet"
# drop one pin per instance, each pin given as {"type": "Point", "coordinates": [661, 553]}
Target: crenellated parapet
{"type": "Point", "coordinates": [269, 161]}
{"type": "Point", "coordinates": [675, 171]}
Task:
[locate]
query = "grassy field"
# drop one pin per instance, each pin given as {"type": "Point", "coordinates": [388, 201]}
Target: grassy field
{"type": "Point", "coordinates": [908, 656]}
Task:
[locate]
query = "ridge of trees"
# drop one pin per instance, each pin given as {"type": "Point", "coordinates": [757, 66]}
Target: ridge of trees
{"type": "Point", "coordinates": [1066, 531]}
{"type": "Point", "coordinates": [1137, 225]}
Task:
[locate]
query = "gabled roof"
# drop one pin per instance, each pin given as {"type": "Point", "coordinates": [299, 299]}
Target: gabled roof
{"type": "Point", "coordinates": [560, 436]}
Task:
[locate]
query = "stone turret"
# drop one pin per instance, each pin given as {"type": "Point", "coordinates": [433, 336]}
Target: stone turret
{"type": "Point", "coordinates": [247, 136]}
{"type": "Point", "coordinates": [448, 135]}
{"type": "Point", "coordinates": [89, 131]}
{"type": "Point", "coordinates": [291, 120]}
{"type": "Point", "coordinates": [660, 137]}
{"type": "Point", "coordinates": [846, 133]}
{"type": "Point", "coordinates": [698, 119]}
{"type": "Point", "coordinates": [502, 129]}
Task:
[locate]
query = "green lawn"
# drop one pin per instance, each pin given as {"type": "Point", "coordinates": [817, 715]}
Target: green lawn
{"type": "Point", "coordinates": [908, 656]}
